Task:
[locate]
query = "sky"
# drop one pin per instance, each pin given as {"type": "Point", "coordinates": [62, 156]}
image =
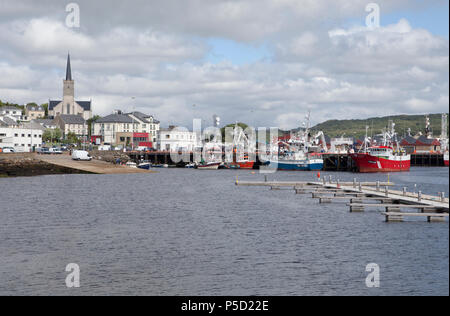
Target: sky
{"type": "Point", "coordinates": [262, 62]}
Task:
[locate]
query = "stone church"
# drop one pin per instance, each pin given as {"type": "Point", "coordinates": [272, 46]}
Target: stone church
{"type": "Point", "coordinates": [68, 105]}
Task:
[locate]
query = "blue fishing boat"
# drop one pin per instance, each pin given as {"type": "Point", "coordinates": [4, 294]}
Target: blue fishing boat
{"type": "Point", "coordinates": [307, 164]}
{"type": "Point", "coordinates": [301, 152]}
{"type": "Point", "coordinates": [145, 165]}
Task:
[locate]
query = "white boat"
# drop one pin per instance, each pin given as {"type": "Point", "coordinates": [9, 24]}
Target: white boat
{"type": "Point", "coordinates": [209, 166]}
{"type": "Point", "coordinates": [131, 164]}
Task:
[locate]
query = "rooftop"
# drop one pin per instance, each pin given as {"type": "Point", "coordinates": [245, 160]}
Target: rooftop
{"type": "Point", "coordinates": [8, 121]}
{"type": "Point", "coordinates": [45, 122]}
{"type": "Point", "coordinates": [116, 118]}
{"type": "Point", "coordinates": [72, 119]}
{"type": "Point", "coordinates": [10, 108]}
{"type": "Point", "coordinates": [86, 105]}
{"type": "Point", "coordinates": [35, 108]}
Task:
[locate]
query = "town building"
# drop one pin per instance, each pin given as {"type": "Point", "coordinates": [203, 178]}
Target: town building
{"type": "Point", "coordinates": [422, 144]}
{"type": "Point", "coordinates": [68, 105]}
{"type": "Point", "coordinates": [47, 123]}
{"type": "Point", "coordinates": [134, 129]}
{"type": "Point", "coordinates": [33, 112]}
{"type": "Point", "coordinates": [23, 138]}
{"type": "Point", "coordinates": [12, 112]}
{"type": "Point", "coordinates": [174, 139]}
{"type": "Point", "coordinates": [72, 124]}
{"type": "Point", "coordinates": [8, 120]}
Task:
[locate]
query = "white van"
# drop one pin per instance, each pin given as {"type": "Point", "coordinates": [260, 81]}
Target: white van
{"type": "Point", "coordinates": [81, 155]}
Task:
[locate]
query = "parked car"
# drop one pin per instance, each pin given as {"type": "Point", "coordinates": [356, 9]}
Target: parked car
{"type": "Point", "coordinates": [43, 151]}
{"type": "Point", "coordinates": [81, 155]}
{"type": "Point", "coordinates": [7, 150]}
{"type": "Point", "coordinates": [55, 151]}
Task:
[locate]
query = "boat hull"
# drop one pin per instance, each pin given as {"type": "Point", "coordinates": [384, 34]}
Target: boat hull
{"type": "Point", "coordinates": [366, 163]}
{"type": "Point", "coordinates": [145, 166]}
{"type": "Point", "coordinates": [316, 165]}
{"type": "Point", "coordinates": [242, 165]}
{"type": "Point", "coordinates": [212, 166]}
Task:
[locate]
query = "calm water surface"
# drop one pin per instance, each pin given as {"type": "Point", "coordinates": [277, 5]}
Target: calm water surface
{"type": "Point", "coordinates": [189, 232]}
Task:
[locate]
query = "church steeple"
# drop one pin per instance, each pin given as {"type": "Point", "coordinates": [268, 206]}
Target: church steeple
{"type": "Point", "coordinates": [68, 69]}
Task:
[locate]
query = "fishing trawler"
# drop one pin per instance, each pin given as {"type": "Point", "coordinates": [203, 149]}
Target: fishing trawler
{"type": "Point", "coordinates": [387, 157]}
{"type": "Point", "coordinates": [300, 153]}
{"type": "Point", "coordinates": [241, 149]}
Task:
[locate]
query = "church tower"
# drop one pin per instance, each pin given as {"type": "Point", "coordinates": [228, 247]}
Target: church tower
{"type": "Point", "coordinates": [68, 105]}
{"type": "Point", "coordinates": [69, 91]}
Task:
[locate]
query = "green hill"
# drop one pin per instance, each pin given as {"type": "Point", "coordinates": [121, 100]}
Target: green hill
{"type": "Point", "coordinates": [357, 128]}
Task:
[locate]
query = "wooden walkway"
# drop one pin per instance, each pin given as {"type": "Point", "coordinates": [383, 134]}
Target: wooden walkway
{"type": "Point", "coordinates": [434, 208]}
{"type": "Point", "coordinates": [93, 166]}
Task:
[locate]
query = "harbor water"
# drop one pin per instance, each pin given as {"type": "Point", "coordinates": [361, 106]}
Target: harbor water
{"type": "Point", "coordinates": [191, 232]}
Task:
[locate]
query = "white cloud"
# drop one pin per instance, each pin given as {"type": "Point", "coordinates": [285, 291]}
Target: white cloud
{"type": "Point", "coordinates": [155, 51]}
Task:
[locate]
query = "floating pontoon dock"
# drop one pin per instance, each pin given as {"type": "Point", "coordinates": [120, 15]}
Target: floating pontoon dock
{"type": "Point", "coordinates": [434, 208]}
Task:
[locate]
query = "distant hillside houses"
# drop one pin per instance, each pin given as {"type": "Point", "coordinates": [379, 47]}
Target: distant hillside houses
{"type": "Point", "coordinates": [126, 129]}
{"type": "Point", "coordinates": [11, 112]}
{"type": "Point", "coordinates": [33, 112]}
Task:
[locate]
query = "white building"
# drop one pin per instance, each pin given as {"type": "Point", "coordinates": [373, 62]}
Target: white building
{"type": "Point", "coordinates": [174, 139]}
{"type": "Point", "coordinates": [116, 128]}
{"type": "Point", "coordinates": [24, 138]}
{"type": "Point", "coordinates": [12, 112]}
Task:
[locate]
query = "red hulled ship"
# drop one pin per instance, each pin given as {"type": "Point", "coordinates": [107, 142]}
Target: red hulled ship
{"type": "Point", "coordinates": [382, 158]}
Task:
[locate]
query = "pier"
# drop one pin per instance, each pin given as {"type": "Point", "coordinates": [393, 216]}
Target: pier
{"type": "Point", "coordinates": [362, 195]}
{"type": "Point", "coordinates": [331, 162]}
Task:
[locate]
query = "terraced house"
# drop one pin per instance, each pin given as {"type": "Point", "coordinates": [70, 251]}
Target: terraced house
{"type": "Point", "coordinates": [127, 129]}
{"type": "Point", "coordinates": [72, 124]}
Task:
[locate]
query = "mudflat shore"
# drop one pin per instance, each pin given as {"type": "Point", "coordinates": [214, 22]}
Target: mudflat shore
{"type": "Point", "coordinates": [27, 164]}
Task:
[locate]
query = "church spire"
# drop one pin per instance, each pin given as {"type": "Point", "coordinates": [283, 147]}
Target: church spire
{"type": "Point", "coordinates": [68, 69]}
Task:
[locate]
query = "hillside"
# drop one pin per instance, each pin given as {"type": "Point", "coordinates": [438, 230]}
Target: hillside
{"type": "Point", "coordinates": [357, 128]}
